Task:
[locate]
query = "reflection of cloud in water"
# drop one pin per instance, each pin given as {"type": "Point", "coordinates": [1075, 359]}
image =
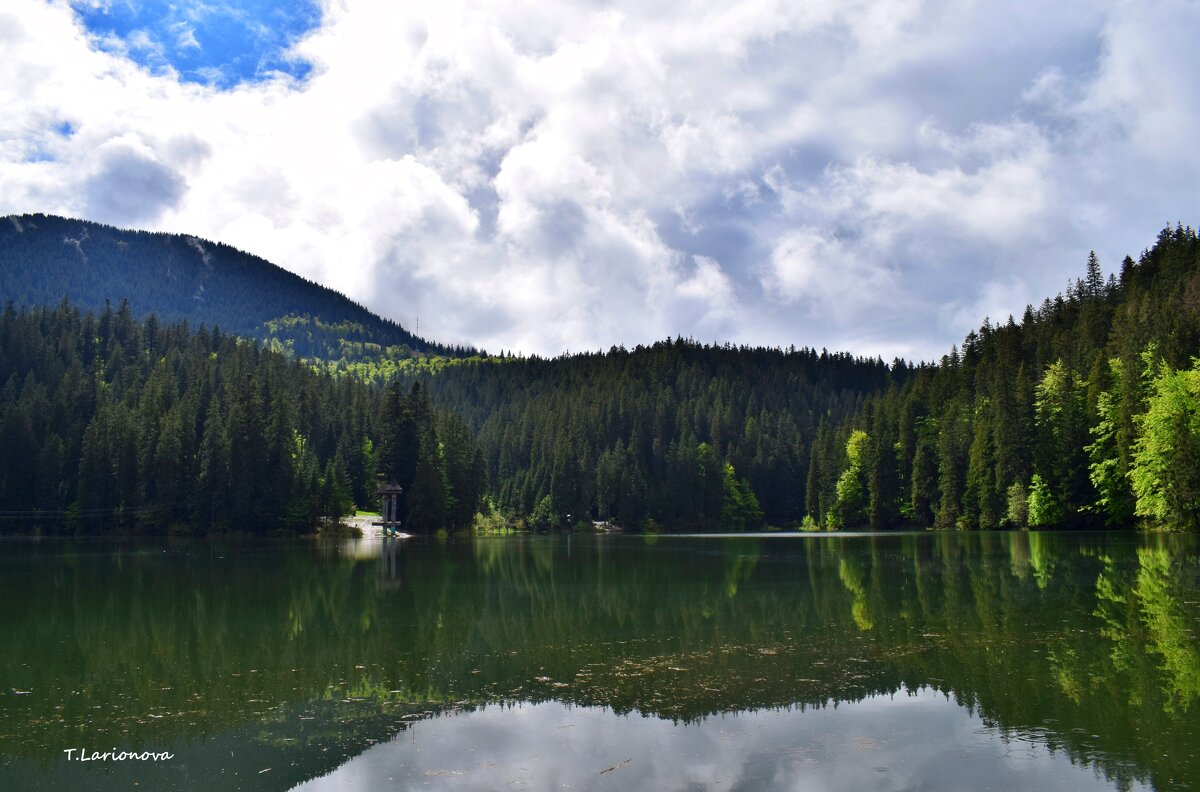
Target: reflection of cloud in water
{"type": "Point", "coordinates": [920, 740]}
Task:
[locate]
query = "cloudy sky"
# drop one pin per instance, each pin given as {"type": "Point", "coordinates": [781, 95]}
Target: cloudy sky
{"type": "Point", "coordinates": [870, 175]}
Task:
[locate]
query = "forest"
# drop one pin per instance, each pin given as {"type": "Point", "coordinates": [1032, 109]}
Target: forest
{"type": "Point", "coordinates": [676, 434]}
{"type": "Point", "coordinates": [45, 259]}
{"type": "Point", "coordinates": [109, 424]}
{"type": "Point", "coordinates": [1084, 413]}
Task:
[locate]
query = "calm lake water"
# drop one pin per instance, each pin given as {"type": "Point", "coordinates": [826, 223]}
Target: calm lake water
{"type": "Point", "coordinates": [849, 662]}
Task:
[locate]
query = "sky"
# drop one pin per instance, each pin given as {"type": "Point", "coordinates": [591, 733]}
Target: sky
{"type": "Point", "coordinates": [914, 739]}
{"type": "Point", "coordinates": [874, 176]}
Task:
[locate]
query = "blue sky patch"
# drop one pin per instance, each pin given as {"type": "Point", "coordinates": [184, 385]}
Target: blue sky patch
{"type": "Point", "coordinates": [220, 43]}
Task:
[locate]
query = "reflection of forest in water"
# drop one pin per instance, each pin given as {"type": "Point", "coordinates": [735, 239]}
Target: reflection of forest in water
{"type": "Point", "coordinates": [1086, 642]}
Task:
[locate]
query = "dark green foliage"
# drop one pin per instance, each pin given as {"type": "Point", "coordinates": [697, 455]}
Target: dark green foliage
{"type": "Point", "coordinates": [1039, 422]}
{"type": "Point", "coordinates": [433, 458]}
{"type": "Point", "coordinates": [46, 259]}
{"type": "Point", "coordinates": [466, 478]}
{"type": "Point", "coordinates": [399, 437]}
{"type": "Point", "coordinates": [644, 435]}
{"type": "Point", "coordinates": [1010, 432]}
{"type": "Point", "coordinates": [108, 423]}
{"type": "Point", "coordinates": [428, 492]}
{"type": "Point", "coordinates": [924, 474]}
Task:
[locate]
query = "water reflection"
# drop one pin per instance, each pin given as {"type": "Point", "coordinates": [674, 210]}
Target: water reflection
{"type": "Point", "coordinates": [294, 658]}
{"type": "Point", "coordinates": [910, 740]}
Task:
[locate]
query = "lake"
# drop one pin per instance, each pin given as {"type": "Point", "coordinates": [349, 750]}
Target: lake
{"type": "Point", "coordinates": [932, 661]}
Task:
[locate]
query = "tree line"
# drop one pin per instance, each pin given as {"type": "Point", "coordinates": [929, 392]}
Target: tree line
{"type": "Point", "coordinates": [677, 434]}
{"type": "Point", "coordinates": [1083, 413]}
{"type": "Point", "coordinates": [109, 423]}
{"type": "Point", "coordinates": [1086, 413]}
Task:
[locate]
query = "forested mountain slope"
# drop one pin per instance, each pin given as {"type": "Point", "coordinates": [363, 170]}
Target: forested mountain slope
{"type": "Point", "coordinates": [676, 434]}
{"type": "Point", "coordinates": [45, 259]}
{"type": "Point", "coordinates": [1084, 413]}
{"type": "Point", "coordinates": [107, 423]}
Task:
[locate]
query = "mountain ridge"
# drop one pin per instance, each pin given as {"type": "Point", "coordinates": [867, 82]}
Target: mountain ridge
{"type": "Point", "coordinates": [45, 259]}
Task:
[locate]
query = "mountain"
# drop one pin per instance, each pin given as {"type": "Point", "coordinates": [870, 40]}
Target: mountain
{"type": "Point", "coordinates": [1084, 413]}
{"type": "Point", "coordinates": [675, 434]}
{"type": "Point", "coordinates": [108, 423]}
{"type": "Point", "coordinates": [46, 259]}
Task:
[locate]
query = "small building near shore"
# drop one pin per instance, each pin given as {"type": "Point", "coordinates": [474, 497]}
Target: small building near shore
{"type": "Point", "coordinates": [389, 505]}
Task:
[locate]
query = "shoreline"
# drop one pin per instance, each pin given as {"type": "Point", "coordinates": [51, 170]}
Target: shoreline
{"type": "Point", "coordinates": [363, 523]}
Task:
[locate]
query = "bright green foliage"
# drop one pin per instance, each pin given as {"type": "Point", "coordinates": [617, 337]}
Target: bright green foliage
{"type": "Point", "coordinates": [1059, 458]}
{"type": "Point", "coordinates": [1004, 431]}
{"type": "Point", "coordinates": [1166, 460]}
{"type": "Point", "coordinates": [1007, 432]}
{"type": "Point", "coordinates": [853, 577]}
{"type": "Point", "coordinates": [1170, 633]}
{"type": "Point", "coordinates": [1044, 508]}
{"type": "Point", "coordinates": [739, 508]}
{"type": "Point", "coordinates": [850, 510]}
{"type": "Point", "coordinates": [1110, 451]}
{"type": "Point", "coordinates": [543, 517]}
{"type": "Point", "coordinates": [1017, 506]}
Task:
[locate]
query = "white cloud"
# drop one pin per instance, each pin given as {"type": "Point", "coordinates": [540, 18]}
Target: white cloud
{"type": "Point", "coordinates": [185, 36]}
{"type": "Point", "coordinates": [908, 740]}
{"type": "Point", "coordinates": [128, 184]}
{"type": "Point", "coordinates": [570, 177]}
{"type": "Point", "coordinates": [842, 283]}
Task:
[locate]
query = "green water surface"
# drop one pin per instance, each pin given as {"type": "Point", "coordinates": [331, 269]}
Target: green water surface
{"type": "Point", "coordinates": [884, 662]}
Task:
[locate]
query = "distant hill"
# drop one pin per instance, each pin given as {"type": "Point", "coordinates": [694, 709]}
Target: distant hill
{"type": "Point", "coordinates": [44, 259]}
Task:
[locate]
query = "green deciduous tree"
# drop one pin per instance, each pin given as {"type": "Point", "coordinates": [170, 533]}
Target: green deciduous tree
{"type": "Point", "coordinates": [1166, 461]}
{"type": "Point", "coordinates": [739, 507]}
{"type": "Point", "coordinates": [850, 509]}
{"type": "Point", "coordinates": [1060, 461]}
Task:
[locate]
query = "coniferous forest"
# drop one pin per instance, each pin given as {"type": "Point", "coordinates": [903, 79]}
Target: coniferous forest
{"type": "Point", "coordinates": [108, 423]}
{"type": "Point", "coordinates": [45, 259]}
{"type": "Point", "coordinates": [1085, 412]}
{"type": "Point", "coordinates": [677, 434]}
